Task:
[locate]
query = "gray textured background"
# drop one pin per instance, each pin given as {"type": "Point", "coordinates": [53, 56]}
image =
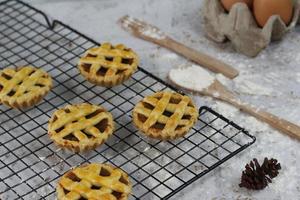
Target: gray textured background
{"type": "Point", "coordinates": [270, 81]}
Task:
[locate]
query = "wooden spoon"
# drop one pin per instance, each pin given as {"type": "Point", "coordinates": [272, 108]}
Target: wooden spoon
{"type": "Point", "coordinates": [220, 92]}
{"type": "Point", "coordinates": [151, 33]}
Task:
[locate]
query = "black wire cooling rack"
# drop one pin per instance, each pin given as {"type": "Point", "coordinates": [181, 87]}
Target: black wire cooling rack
{"type": "Point", "coordinates": [30, 164]}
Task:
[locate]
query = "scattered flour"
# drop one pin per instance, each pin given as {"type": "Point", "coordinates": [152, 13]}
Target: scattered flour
{"type": "Point", "coordinates": [153, 32]}
{"type": "Point", "coordinates": [297, 57]}
{"type": "Point", "coordinates": [170, 56]}
{"type": "Point", "coordinates": [245, 120]}
{"type": "Point", "coordinates": [298, 77]}
{"type": "Point", "coordinates": [147, 29]}
{"type": "Point", "coordinates": [252, 88]}
{"type": "Point", "coordinates": [216, 94]}
{"type": "Point", "coordinates": [225, 109]}
{"type": "Point", "coordinates": [273, 76]}
{"type": "Point", "coordinates": [42, 158]}
{"type": "Point", "coordinates": [191, 77]}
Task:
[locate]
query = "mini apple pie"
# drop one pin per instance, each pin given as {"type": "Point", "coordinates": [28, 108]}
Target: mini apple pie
{"type": "Point", "coordinates": [94, 181]}
{"type": "Point", "coordinates": [80, 127]}
{"type": "Point", "coordinates": [23, 87]}
{"type": "Point", "coordinates": [165, 115]}
{"type": "Point", "coordinates": [108, 65]}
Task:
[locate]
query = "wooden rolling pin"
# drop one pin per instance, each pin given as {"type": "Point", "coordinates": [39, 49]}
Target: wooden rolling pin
{"type": "Point", "coordinates": [151, 33]}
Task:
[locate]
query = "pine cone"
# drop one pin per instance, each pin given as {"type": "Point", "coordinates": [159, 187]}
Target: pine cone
{"type": "Point", "coordinates": [271, 167]}
{"type": "Point", "coordinates": [257, 176]}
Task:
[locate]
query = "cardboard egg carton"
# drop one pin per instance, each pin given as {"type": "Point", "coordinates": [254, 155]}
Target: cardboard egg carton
{"type": "Point", "coordinates": [240, 28]}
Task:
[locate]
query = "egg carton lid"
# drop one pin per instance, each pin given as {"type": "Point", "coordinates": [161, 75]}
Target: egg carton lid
{"type": "Point", "coordinates": [240, 28]}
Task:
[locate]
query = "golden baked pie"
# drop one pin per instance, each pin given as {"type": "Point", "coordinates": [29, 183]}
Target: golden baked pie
{"type": "Point", "coordinates": [108, 65]}
{"type": "Point", "coordinates": [165, 115]}
{"type": "Point", "coordinates": [23, 87]}
{"type": "Point", "coordinates": [94, 182]}
{"type": "Point", "coordinates": [80, 127]}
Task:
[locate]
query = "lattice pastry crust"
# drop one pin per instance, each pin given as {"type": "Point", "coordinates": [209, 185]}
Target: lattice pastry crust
{"type": "Point", "coordinates": [108, 65]}
{"type": "Point", "coordinates": [80, 127]}
{"type": "Point", "coordinates": [165, 115]}
{"type": "Point", "coordinates": [23, 87]}
{"type": "Point", "coordinates": [94, 182]}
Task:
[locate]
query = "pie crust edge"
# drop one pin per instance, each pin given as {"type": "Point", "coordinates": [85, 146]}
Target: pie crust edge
{"type": "Point", "coordinates": [77, 148]}
{"type": "Point", "coordinates": [60, 188]}
{"type": "Point", "coordinates": [34, 100]}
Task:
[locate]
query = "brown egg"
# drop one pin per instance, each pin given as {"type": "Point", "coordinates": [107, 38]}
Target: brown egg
{"type": "Point", "coordinates": [264, 9]}
{"type": "Point", "coordinates": [229, 3]}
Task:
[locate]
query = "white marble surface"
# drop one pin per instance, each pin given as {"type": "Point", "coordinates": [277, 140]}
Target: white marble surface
{"type": "Point", "coordinates": [270, 81]}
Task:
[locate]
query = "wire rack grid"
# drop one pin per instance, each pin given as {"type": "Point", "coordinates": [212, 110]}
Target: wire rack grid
{"type": "Point", "coordinates": [30, 164]}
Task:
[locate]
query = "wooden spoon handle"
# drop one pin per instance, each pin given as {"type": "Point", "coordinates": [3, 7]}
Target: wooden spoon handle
{"type": "Point", "coordinates": [280, 124]}
{"type": "Point", "coordinates": [202, 59]}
